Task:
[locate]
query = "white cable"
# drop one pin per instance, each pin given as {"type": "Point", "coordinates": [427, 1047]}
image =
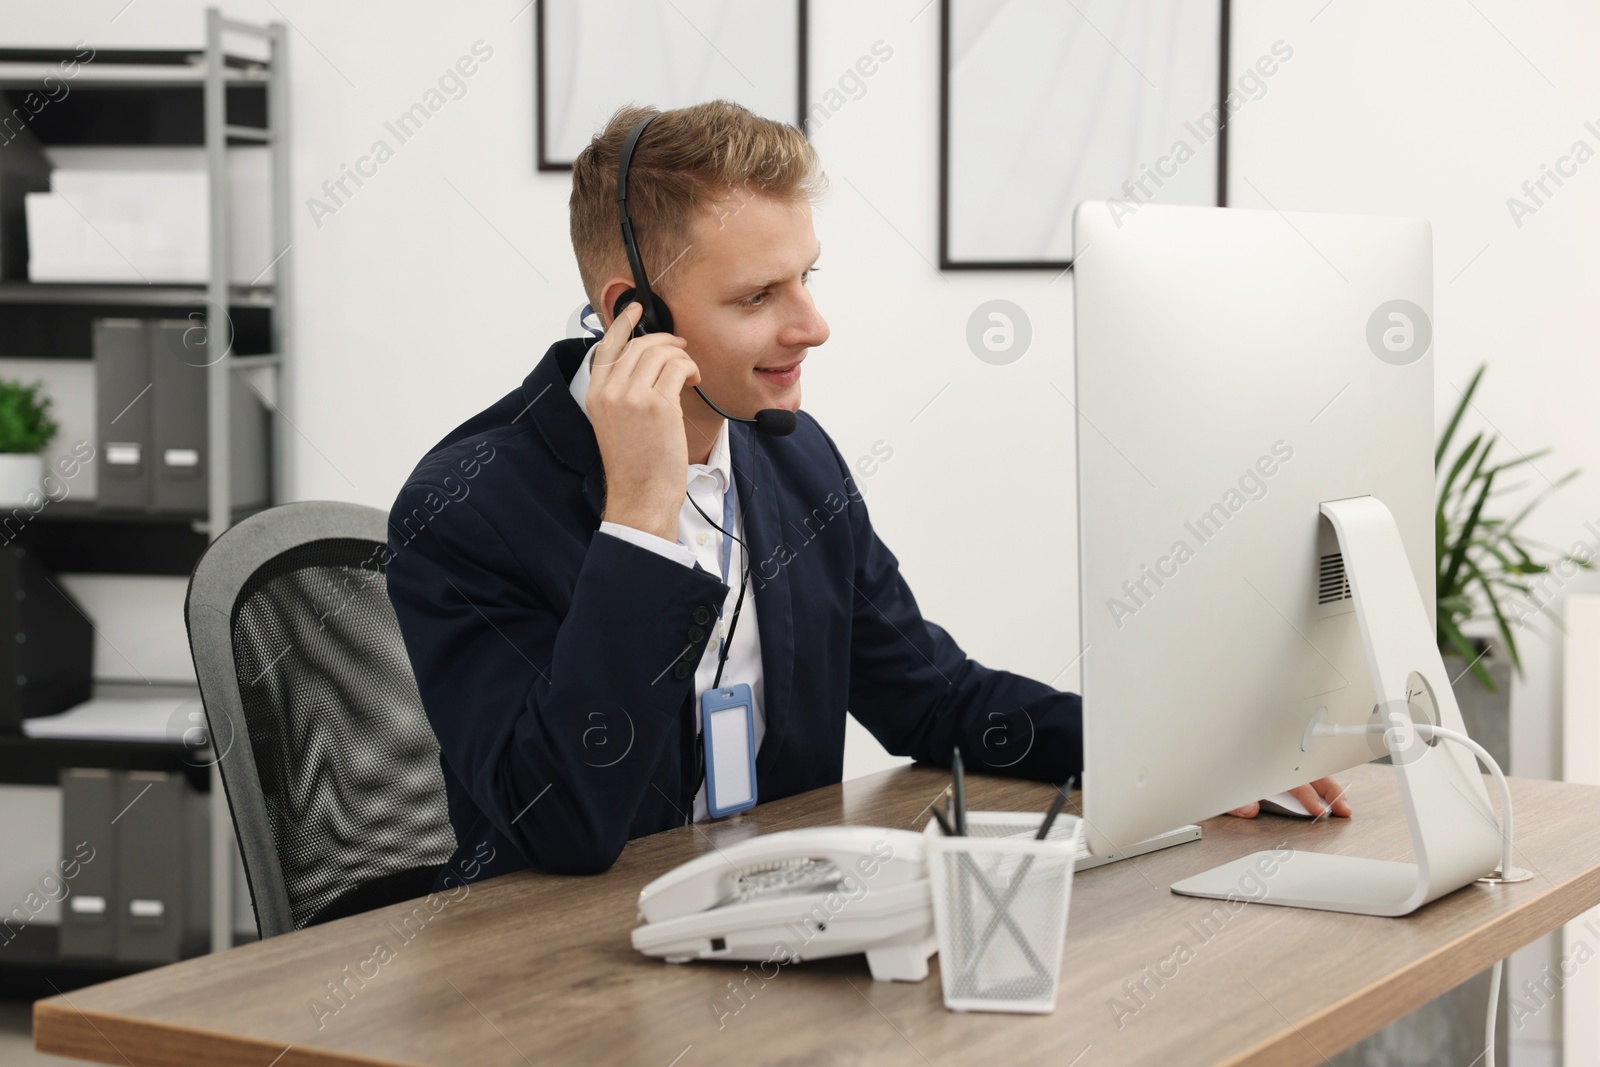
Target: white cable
{"type": "Point", "coordinates": [1426, 730]}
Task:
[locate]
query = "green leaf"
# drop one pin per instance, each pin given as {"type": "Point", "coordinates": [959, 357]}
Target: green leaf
{"type": "Point", "coordinates": [1459, 553]}
{"type": "Point", "coordinates": [1463, 648]}
{"type": "Point", "coordinates": [25, 422]}
{"type": "Point", "coordinates": [1499, 616]}
{"type": "Point", "coordinates": [1455, 469]}
{"type": "Point", "coordinates": [1455, 419]}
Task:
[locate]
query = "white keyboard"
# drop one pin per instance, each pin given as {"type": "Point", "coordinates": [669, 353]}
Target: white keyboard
{"type": "Point", "coordinates": [1182, 834]}
{"type": "Point", "coordinates": [1085, 861]}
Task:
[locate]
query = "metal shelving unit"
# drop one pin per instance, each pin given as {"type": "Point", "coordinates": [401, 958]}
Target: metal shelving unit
{"type": "Point", "coordinates": [220, 136]}
{"type": "Point", "coordinates": [177, 96]}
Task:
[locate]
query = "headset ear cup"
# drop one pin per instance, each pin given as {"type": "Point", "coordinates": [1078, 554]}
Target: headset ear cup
{"type": "Point", "coordinates": [657, 317]}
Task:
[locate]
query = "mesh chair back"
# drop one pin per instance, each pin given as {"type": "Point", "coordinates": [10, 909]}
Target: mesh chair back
{"type": "Point", "coordinates": [330, 765]}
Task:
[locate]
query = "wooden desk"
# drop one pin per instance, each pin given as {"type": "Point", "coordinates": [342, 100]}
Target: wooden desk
{"type": "Point", "coordinates": [534, 969]}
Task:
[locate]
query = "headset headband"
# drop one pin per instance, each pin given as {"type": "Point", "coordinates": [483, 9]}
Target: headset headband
{"type": "Point", "coordinates": [640, 280]}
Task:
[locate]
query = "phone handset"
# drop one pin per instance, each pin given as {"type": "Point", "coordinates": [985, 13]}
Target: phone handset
{"type": "Point", "coordinates": [809, 860]}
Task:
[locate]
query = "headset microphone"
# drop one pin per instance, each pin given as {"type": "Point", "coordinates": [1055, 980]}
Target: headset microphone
{"type": "Point", "coordinates": [775, 422]}
{"type": "Point", "coordinates": [656, 317]}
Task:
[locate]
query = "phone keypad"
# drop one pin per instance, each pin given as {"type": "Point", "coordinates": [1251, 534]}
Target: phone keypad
{"type": "Point", "coordinates": [785, 878]}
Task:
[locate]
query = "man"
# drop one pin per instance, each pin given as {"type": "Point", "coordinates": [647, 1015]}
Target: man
{"type": "Point", "coordinates": [561, 566]}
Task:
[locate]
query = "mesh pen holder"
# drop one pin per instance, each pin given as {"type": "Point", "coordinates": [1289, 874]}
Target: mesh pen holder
{"type": "Point", "coordinates": [1000, 903]}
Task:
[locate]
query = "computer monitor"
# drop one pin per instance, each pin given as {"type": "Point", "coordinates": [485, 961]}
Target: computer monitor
{"type": "Point", "coordinates": [1256, 535]}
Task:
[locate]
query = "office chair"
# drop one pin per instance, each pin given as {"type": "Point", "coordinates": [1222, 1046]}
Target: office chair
{"type": "Point", "coordinates": [330, 766]}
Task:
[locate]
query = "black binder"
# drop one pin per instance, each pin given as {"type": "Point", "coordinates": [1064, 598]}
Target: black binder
{"type": "Point", "coordinates": [88, 914]}
{"type": "Point", "coordinates": [124, 411]}
{"type": "Point", "coordinates": [150, 863]}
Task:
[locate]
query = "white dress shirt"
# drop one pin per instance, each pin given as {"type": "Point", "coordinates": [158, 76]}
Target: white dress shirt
{"type": "Point", "coordinates": [699, 542]}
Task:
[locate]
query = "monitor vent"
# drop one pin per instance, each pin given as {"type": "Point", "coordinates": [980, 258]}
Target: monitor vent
{"type": "Point", "coordinates": [1333, 584]}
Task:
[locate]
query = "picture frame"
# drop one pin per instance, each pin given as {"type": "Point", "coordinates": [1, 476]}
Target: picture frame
{"type": "Point", "coordinates": [1081, 64]}
{"type": "Point", "coordinates": [691, 61]}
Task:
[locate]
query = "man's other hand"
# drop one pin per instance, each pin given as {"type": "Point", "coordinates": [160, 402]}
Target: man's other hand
{"type": "Point", "coordinates": [1317, 797]}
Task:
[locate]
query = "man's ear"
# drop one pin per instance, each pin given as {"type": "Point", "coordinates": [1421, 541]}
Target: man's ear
{"type": "Point", "coordinates": [608, 296]}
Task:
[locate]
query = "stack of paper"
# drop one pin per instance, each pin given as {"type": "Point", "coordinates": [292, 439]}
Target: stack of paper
{"type": "Point", "coordinates": [167, 719]}
{"type": "Point", "coordinates": [143, 215]}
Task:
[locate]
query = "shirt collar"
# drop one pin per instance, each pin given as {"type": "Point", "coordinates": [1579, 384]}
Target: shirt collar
{"type": "Point", "coordinates": [718, 465]}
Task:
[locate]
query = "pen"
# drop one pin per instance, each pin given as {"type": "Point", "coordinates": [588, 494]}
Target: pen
{"type": "Point", "coordinates": [959, 799]}
{"type": "Point", "coordinates": [1055, 809]}
{"type": "Point", "coordinates": [944, 824]}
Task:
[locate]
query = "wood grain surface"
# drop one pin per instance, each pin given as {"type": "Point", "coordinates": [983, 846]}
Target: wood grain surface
{"type": "Point", "coordinates": [536, 969]}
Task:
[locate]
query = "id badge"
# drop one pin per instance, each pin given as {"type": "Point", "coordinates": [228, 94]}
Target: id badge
{"type": "Point", "coordinates": [727, 729]}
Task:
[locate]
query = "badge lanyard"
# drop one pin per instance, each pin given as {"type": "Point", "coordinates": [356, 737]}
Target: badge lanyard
{"type": "Point", "coordinates": [727, 558]}
{"type": "Point", "coordinates": [726, 754]}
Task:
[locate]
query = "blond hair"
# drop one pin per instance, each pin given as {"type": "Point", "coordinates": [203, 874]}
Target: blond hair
{"type": "Point", "coordinates": [689, 160]}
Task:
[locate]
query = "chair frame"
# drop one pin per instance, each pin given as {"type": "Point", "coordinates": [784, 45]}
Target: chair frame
{"type": "Point", "coordinates": [214, 586]}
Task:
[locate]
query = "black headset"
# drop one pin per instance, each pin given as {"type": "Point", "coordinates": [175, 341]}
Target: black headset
{"type": "Point", "coordinates": [656, 317]}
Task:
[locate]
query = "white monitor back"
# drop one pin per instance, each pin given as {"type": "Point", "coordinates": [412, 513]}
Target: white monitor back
{"type": "Point", "coordinates": [1226, 387]}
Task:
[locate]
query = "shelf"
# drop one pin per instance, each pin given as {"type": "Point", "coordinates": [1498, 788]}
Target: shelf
{"type": "Point", "coordinates": [40, 760]}
{"type": "Point", "coordinates": [40, 321]}
{"type": "Point", "coordinates": [133, 111]}
{"type": "Point", "coordinates": [26, 68]}
{"type": "Point", "coordinates": [77, 537]}
{"type": "Point", "coordinates": [144, 57]}
{"type": "Point", "coordinates": [129, 294]}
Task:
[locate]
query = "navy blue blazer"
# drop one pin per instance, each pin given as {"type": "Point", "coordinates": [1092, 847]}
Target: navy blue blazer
{"type": "Point", "coordinates": [557, 665]}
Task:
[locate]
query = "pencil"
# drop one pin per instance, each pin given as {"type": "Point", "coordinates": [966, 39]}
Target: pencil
{"type": "Point", "coordinates": [1055, 809]}
{"type": "Point", "coordinates": [959, 799]}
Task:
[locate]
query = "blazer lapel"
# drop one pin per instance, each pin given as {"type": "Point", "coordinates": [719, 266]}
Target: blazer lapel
{"type": "Point", "coordinates": [547, 400]}
{"type": "Point", "coordinates": [763, 526]}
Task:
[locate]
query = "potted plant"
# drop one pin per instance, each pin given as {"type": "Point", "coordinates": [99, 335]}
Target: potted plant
{"type": "Point", "coordinates": [25, 429]}
{"type": "Point", "coordinates": [1484, 562]}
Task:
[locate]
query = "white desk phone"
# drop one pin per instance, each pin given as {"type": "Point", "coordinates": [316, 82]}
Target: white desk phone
{"type": "Point", "coordinates": [798, 894]}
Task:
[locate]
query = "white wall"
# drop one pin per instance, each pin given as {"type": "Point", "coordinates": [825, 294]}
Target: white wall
{"type": "Point", "coordinates": [437, 287]}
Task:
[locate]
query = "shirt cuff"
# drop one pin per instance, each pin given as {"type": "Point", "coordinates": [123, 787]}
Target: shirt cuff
{"type": "Point", "coordinates": [659, 545]}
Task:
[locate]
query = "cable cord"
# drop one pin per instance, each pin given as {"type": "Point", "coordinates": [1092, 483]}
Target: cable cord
{"type": "Point", "coordinates": [733, 624]}
{"type": "Point", "coordinates": [1427, 730]}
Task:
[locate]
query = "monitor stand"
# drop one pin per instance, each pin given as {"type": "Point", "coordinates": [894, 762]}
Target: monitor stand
{"type": "Point", "coordinates": [1454, 835]}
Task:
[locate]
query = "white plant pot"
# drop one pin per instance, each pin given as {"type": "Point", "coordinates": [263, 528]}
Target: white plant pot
{"type": "Point", "coordinates": [21, 473]}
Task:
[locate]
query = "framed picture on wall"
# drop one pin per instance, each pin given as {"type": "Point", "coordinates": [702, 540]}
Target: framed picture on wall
{"type": "Point", "coordinates": [594, 56]}
{"type": "Point", "coordinates": [1044, 105]}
